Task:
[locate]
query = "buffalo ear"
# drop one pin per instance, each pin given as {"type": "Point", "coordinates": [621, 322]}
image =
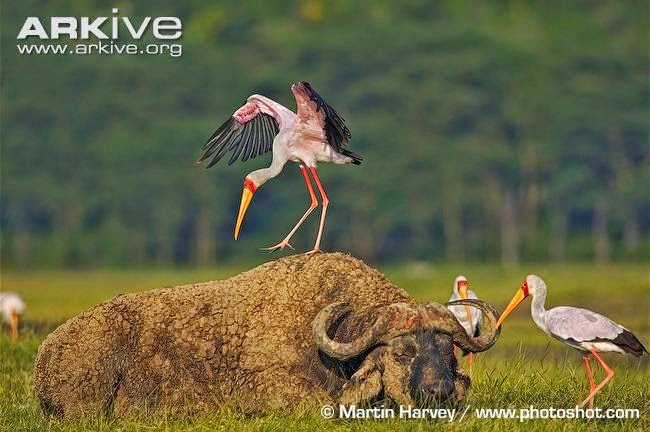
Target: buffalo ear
{"type": "Point", "coordinates": [365, 385]}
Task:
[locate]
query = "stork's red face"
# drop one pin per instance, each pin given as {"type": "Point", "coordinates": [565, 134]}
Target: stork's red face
{"type": "Point", "coordinates": [246, 196]}
{"type": "Point", "coordinates": [519, 296]}
{"type": "Point", "coordinates": [462, 289]}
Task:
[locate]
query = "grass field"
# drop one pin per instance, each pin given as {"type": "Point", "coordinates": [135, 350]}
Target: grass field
{"type": "Point", "coordinates": [524, 368]}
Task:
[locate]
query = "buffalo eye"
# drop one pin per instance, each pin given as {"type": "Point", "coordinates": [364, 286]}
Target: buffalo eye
{"type": "Point", "coordinates": [404, 352]}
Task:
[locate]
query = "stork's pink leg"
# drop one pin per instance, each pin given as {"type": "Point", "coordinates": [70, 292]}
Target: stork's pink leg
{"type": "Point", "coordinates": [325, 201]}
{"type": "Point", "coordinates": [592, 385]}
{"type": "Point", "coordinates": [312, 206]}
{"type": "Point", "coordinates": [471, 360]}
{"type": "Point", "coordinates": [608, 371]}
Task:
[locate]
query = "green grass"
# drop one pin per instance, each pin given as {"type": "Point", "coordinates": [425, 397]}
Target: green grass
{"type": "Point", "coordinates": [525, 367]}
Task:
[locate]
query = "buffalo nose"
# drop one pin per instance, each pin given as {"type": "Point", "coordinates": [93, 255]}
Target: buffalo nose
{"type": "Point", "coordinates": [441, 389]}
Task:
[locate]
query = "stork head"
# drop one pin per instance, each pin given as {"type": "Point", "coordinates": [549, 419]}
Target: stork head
{"type": "Point", "coordinates": [530, 286]}
{"type": "Point", "coordinates": [303, 92]}
{"type": "Point", "coordinates": [460, 286]}
{"type": "Point", "coordinates": [250, 186]}
{"type": "Point", "coordinates": [300, 87]}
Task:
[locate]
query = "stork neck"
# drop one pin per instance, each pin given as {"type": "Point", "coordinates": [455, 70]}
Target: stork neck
{"type": "Point", "coordinates": [537, 310]}
{"type": "Point", "coordinates": [261, 176]}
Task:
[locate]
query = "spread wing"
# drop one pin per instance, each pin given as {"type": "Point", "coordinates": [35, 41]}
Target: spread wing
{"type": "Point", "coordinates": [322, 121]}
{"type": "Point", "coordinates": [581, 325]}
{"type": "Point", "coordinates": [248, 133]}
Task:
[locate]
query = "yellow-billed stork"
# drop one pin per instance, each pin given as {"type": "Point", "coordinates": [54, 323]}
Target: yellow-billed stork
{"type": "Point", "coordinates": [471, 322]}
{"type": "Point", "coordinates": [582, 329]}
{"type": "Point", "coordinates": [12, 307]}
{"type": "Point", "coordinates": [315, 133]}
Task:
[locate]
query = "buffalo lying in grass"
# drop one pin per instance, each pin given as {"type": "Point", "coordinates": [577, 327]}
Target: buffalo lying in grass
{"type": "Point", "coordinates": [322, 328]}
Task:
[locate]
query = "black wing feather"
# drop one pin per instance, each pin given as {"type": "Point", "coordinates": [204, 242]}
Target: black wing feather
{"type": "Point", "coordinates": [221, 144]}
{"type": "Point", "coordinates": [255, 137]}
{"type": "Point", "coordinates": [261, 140]}
{"type": "Point", "coordinates": [252, 142]}
{"type": "Point", "coordinates": [236, 148]}
{"type": "Point", "coordinates": [250, 148]}
{"type": "Point", "coordinates": [244, 140]}
{"type": "Point", "coordinates": [275, 129]}
{"type": "Point", "coordinates": [217, 133]}
{"type": "Point", "coordinates": [262, 137]}
{"type": "Point", "coordinates": [627, 342]}
{"type": "Point", "coordinates": [216, 144]}
{"type": "Point", "coordinates": [267, 144]}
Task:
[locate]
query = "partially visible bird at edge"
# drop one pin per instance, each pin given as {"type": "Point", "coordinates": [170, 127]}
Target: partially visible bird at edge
{"type": "Point", "coordinates": [588, 332]}
{"type": "Point", "coordinates": [12, 307]}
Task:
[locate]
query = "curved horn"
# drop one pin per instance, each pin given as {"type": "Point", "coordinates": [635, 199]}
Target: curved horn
{"type": "Point", "coordinates": [388, 325]}
{"type": "Point", "coordinates": [484, 341]}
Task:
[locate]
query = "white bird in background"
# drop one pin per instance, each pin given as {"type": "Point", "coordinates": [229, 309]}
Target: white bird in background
{"type": "Point", "coordinates": [11, 307]}
{"type": "Point", "coordinates": [470, 321]}
{"type": "Point", "coordinates": [582, 329]}
{"type": "Point", "coordinates": [315, 133]}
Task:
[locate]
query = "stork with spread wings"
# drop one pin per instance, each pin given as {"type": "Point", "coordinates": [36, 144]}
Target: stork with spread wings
{"type": "Point", "coordinates": [316, 133]}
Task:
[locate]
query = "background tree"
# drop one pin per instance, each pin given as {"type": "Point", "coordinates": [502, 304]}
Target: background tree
{"type": "Point", "coordinates": [509, 131]}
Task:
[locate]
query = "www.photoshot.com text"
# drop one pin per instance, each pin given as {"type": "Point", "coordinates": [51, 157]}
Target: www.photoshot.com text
{"type": "Point", "coordinates": [458, 415]}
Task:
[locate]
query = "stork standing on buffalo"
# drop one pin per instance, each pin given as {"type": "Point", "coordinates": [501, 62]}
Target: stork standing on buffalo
{"type": "Point", "coordinates": [315, 133]}
{"type": "Point", "coordinates": [582, 329]}
{"type": "Point", "coordinates": [471, 322]}
{"type": "Point", "coordinates": [12, 307]}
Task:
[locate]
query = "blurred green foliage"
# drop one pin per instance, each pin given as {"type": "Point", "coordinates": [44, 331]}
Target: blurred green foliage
{"type": "Point", "coordinates": [505, 130]}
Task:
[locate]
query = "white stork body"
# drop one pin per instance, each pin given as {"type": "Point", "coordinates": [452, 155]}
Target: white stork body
{"type": "Point", "coordinates": [12, 307]}
{"type": "Point", "coordinates": [470, 320]}
{"type": "Point", "coordinates": [315, 133]}
{"type": "Point", "coordinates": [582, 329]}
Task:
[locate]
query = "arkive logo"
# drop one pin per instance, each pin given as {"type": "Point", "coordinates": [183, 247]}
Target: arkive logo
{"type": "Point", "coordinates": [114, 27]}
{"type": "Point", "coordinates": [103, 36]}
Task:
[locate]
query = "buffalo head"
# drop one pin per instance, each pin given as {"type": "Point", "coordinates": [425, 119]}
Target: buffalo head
{"type": "Point", "coordinates": [407, 353]}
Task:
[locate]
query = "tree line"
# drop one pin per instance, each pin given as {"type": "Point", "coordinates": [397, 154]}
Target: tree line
{"type": "Point", "coordinates": [510, 131]}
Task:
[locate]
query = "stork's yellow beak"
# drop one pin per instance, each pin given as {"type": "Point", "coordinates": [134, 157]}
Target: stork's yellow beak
{"type": "Point", "coordinates": [462, 291]}
{"type": "Point", "coordinates": [519, 296]}
{"type": "Point", "coordinates": [13, 324]}
{"type": "Point", "coordinates": [246, 197]}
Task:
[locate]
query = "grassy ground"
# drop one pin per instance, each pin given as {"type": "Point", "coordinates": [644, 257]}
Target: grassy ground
{"type": "Point", "coordinates": [525, 368]}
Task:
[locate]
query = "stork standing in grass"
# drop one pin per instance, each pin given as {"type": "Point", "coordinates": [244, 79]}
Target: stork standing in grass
{"type": "Point", "coordinates": [470, 321]}
{"type": "Point", "coordinates": [315, 133]}
{"type": "Point", "coordinates": [582, 329]}
{"type": "Point", "coordinates": [12, 307]}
